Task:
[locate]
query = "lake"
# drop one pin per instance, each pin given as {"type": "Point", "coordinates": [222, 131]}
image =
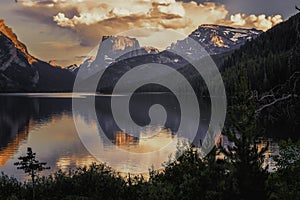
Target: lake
{"type": "Point", "coordinates": [65, 138]}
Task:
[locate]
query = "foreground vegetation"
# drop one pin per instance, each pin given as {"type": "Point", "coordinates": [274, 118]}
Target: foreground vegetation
{"type": "Point", "coordinates": [189, 178]}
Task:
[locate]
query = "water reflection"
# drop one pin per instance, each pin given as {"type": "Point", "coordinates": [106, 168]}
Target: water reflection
{"type": "Point", "coordinates": [14, 125]}
{"type": "Point", "coordinates": [123, 139]}
{"type": "Point", "coordinates": [9, 150]}
{"type": "Point", "coordinates": [45, 123]}
{"type": "Point", "coordinates": [151, 140]}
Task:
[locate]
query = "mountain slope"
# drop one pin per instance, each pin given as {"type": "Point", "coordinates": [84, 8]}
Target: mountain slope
{"type": "Point", "coordinates": [218, 39]}
{"type": "Point", "coordinates": [21, 72]}
{"type": "Point", "coordinates": [273, 68]}
{"type": "Point", "coordinates": [270, 59]}
{"type": "Point", "coordinates": [16, 73]}
{"type": "Point", "coordinates": [112, 50]}
{"type": "Point", "coordinates": [5, 30]}
{"type": "Point", "coordinates": [53, 79]}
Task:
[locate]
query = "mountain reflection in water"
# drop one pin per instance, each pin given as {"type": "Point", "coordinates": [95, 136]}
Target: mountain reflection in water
{"type": "Point", "coordinates": [45, 123]}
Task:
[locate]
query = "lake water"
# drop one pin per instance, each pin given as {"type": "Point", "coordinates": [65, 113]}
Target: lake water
{"type": "Point", "coordinates": [66, 138]}
{"type": "Point", "coordinates": [46, 123]}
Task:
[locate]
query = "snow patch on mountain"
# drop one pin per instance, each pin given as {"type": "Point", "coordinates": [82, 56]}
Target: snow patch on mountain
{"type": "Point", "coordinates": [217, 39]}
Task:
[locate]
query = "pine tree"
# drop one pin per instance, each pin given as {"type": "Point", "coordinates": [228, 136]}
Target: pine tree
{"type": "Point", "coordinates": [247, 172]}
{"type": "Point", "coordinates": [31, 166]}
{"type": "Point", "coordinates": [285, 182]}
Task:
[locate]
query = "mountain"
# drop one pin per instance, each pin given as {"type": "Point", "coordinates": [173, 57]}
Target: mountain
{"type": "Point", "coordinates": [5, 30]}
{"type": "Point", "coordinates": [138, 52]}
{"type": "Point", "coordinates": [16, 71]}
{"type": "Point", "coordinates": [217, 39]}
{"type": "Point", "coordinates": [118, 54]}
{"type": "Point", "coordinates": [54, 64]}
{"type": "Point", "coordinates": [113, 49]}
{"type": "Point", "coordinates": [22, 72]}
{"type": "Point", "coordinates": [271, 59]}
{"type": "Point", "coordinates": [72, 68]}
{"type": "Point", "coordinates": [272, 62]}
{"type": "Point", "coordinates": [86, 65]}
{"type": "Point", "coordinates": [53, 79]}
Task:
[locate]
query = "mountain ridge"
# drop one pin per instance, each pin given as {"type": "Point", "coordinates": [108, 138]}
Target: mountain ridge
{"type": "Point", "coordinates": [22, 72]}
{"type": "Point", "coordinates": [218, 39]}
{"type": "Point", "coordinates": [8, 32]}
{"type": "Point", "coordinates": [117, 48]}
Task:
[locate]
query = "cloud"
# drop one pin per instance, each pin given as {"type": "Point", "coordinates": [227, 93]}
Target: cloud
{"type": "Point", "coordinates": [82, 57]}
{"type": "Point", "coordinates": [91, 19]}
{"type": "Point", "coordinates": [54, 44]}
{"type": "Point", "coordinates": [62, 20]}
{"type": "Point", "coordinates": [207, 13]}
{"type": "Point", "coordinates": [238, 20]}
{"type": "Point", "coordinates": [260, 22]}
{"type": "Point", "coordinates": [172, 8]}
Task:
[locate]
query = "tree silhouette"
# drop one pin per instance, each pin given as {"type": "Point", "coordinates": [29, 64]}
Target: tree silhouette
{"type": "Point", "coordinates": [30, 165]}
{"type": "Point", "coordinates": [247, 160]}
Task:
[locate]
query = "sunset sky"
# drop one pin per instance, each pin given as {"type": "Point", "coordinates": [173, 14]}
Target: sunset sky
{"type": "Point", "coordinates": [67, 30]}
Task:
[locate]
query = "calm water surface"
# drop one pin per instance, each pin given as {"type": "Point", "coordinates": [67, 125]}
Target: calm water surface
{"type": "Point", "coordinates": [45, 122]}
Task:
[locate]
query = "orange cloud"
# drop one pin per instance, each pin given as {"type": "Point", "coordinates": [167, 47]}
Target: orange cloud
{"type": "Point", "coordinates": [261, 22]}
{"type": "Point", "coordinates": [90, 19]}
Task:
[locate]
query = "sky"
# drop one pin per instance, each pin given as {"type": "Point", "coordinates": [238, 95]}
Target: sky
{"type": "Point", "coordinates": [66, 31]}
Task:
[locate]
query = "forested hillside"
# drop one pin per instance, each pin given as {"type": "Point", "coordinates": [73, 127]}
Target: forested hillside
{"type": "Point", "coordinates": [272, 62]}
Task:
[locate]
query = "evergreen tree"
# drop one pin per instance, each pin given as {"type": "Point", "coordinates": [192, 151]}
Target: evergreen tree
{"type": "Point", "coordinates": [246, 160]}
{"type": "Point", "coordinates": [285, 182]}
{"type": "Point", "coordinates": [32, 166]}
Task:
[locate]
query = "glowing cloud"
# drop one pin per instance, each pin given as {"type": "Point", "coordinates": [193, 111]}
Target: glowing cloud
{"type": "Point", "coordinates": [157, 13]}
{"type": "Point", "coordinates": [91, 19]}
{"type": "Point", "coordinates": [260, 22]}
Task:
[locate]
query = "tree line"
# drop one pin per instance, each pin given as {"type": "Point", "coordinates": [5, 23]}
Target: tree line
{"type": "Point", "coordinates": [238, 176]}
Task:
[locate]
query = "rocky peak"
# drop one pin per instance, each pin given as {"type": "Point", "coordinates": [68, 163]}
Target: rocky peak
{"type": "Point", "coordinates": [151, 50]}
{"type": "Point", "coordinates": [138, 52]}
{"type": "Point", "coordinates": [54, 64]}
{"type": "Point", "coordinates": [112, 47]}
{"type": "Point", "coordinates": [5, 30]}
{"type": "Point", "coordinates": [209, 26]}
{"type": "Point", "coordinates": [90, 59]}
{"type": "Point", "coordinates": [218, 39]}
{"type": "Point", "coordinates": [120, 43]}
{"type": "Point", "coordinates": [72, 68]}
